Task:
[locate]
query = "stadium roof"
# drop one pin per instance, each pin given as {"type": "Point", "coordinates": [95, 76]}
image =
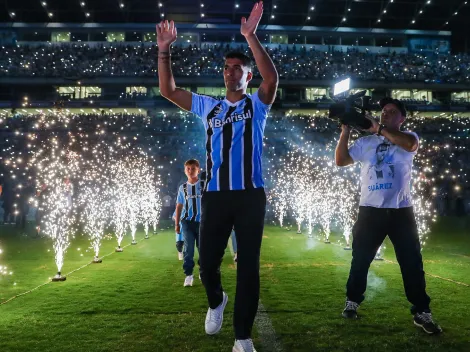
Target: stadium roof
{"type": "Point", "coordinates": [450, 15]}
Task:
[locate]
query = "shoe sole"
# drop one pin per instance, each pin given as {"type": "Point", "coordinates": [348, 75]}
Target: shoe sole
{"type": "Point", "coordinates": [234, 349]}
{"type": "Point", "coordinates": [222, 320]}
{"type": "Point", "coordinates": [345, 316]}
{"type": "Point", "coordinates": [237, 350]}
{"type": "Point", "coordinates": [349, 318]}
{"type": "Point", "coordinates": [426, 331]}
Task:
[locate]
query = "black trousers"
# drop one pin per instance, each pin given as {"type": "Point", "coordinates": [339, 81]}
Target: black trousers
{"type": "Point", "coordinates": [369, 231]}
{"type": "Point", "coordinates": [245, 211]}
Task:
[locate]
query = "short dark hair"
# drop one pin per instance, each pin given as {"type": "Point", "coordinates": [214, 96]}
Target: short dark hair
{"type": "Point", "coordinates": [246, 60]}
{"type": "Point", "coordinates": [399, 104]}
{"type": "Point", "coordinates": [192, 162]}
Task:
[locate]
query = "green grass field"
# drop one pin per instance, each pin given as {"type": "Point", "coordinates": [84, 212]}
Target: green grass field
{"type": "Point", "coordinates": [135, 300]}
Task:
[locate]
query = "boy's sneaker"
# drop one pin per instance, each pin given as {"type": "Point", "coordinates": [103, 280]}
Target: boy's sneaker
{"type": "Point", "coordinates": [215, 317]}
{"type": "Point", "coordinates": [243, 346]}
{"type": "Point", "coordinates": [180, 255]}
{"type": "Point", "coordinates": [350, 310]}
{"type": "Point", "coordinates": [188, 281]}
{"type": "Point", "coordinates": [424, 321]}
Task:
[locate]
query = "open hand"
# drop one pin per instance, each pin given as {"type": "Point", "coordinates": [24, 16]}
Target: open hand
{"type": "Point", "coordinates": [345, 128]}
{"type": "Point", "coordinates": [375, 125]}
{"type": "Point", "coordinates": [166, 34]}
{"type": "Point", "coordinates": [249, 26]}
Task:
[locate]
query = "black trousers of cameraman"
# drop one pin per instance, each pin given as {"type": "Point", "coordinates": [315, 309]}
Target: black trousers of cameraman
{"type": "Point", "coordinates": [369, 231]}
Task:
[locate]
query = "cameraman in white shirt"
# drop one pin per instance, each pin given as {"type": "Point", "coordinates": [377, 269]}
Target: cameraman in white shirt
{"type": "Point", "coordinates": [385, 208]}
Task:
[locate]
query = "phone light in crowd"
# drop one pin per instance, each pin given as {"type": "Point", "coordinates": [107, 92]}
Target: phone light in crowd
{"type": "Point", "coordinates": [342, 86]}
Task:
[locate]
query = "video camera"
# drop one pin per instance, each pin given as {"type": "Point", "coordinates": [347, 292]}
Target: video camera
{"type": "Point", "coordinates": [351, 111]}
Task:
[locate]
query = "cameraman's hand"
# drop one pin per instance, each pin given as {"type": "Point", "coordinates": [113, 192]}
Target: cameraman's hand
{"type": "Point", "coordinates": [346, 128]}
{"type": "Point", "coordinates": [375, 125]}
{"type": "Point", "coordinates": [178, 228]}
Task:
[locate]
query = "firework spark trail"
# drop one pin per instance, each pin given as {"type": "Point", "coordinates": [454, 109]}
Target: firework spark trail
{"type": "Point", "coordinates": [347, 207]}
{"type": "Point", "coordinates": [119, 193]}
{"type": "Point", "coordinates": [150, 204]}
{"type": "Point", "coordinates": [135, 194]}
{"type": "Point", "coordinates": [95, 211]}
{"type": "Point", "coordinates": [314, 189]}
{"type": "Point", "coordinates": [55, 163]}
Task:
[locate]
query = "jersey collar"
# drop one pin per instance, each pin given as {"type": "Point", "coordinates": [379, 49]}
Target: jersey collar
{"type": "Point", "coordinates": [236, 103]}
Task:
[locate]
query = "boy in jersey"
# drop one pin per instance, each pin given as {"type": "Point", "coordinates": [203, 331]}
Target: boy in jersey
{"type": "Point", "coordinates": [234, 195]}
{"type": "Point", "coordinates": [188, 211]}
{"type": "Point", "coordinates": [385, 208]}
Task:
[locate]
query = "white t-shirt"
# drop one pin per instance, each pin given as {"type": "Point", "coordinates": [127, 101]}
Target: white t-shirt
{"type": "Point", "coordinates": [385, 172]}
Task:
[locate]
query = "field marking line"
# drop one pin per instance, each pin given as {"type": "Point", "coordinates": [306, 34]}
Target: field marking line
{"type": "Point", "coordinates": [435, 276]}
{"type": "Point", "coordinates": [48, 282]}
{"type": "Point", "coordinates": [428, 274]}
{"type": "Point", "coordinates": [265, 327]}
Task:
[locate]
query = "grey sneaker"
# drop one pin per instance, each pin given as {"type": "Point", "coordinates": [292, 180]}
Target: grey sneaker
{"type": "Point", "coordinates": [424, 321]}
{"type": "Point", "coordinates": [350, 310]}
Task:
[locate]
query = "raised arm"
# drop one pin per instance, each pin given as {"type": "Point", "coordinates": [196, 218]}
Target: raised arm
{"type": "Point", "coordinates": [268, 87]}
{"type": "Point", "coordinates": [342, 156]}
{"type": "Point", "coordinates": [407, 141]}
{"type": "Point", "coordinates": [166, 35]}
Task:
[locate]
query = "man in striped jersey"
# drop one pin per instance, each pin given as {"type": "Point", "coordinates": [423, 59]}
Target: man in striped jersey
{"type": "Point", "coordinates": [188, 211]}
{"type": "Point", "coordinates": [234, 195]}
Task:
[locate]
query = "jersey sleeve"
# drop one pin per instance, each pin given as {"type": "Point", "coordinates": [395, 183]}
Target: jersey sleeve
{"type": "Point", "coordinates": [180, 198]}
{"type": "Point", "coordinates": [201, 104]}
{"type": "Point", "coordinates": [355, 150]}
{"type": "Point", "coordinates": [261, 108]}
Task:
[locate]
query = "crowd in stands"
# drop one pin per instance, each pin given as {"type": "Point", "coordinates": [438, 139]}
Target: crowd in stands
{"type": "Point", "coordinates": [82, 60]}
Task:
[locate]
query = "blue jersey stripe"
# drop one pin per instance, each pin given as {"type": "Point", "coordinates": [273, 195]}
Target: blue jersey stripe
{"type": "Point", "coordinates": [194, 207]}
{"type": "Point", "coordinates": [224, 170]}
{"type": "Point", "coordinates": [209, 148]}
{"type": "Point", "coordinates": [236, 164]}
{"type": "Point", "coordinates": [248, 147]}
{"type": "Point", "coordinates": [186, 203]}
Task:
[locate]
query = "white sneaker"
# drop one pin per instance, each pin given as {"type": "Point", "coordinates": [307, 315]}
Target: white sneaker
{"type": "Point", "coordinates": [188, 281]}
{"type": "Point", "coordinates": [243, 346]}
{"type": "Point", "coordinates": [180, 255]}
{"type": "Point", "coordinates": [215, 317]}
